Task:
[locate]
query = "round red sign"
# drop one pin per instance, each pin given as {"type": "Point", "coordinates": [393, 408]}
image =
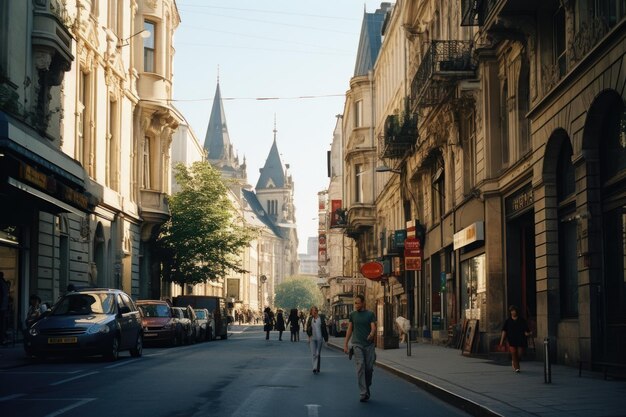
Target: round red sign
{"type": "Point", "coordinates": [372, 270]}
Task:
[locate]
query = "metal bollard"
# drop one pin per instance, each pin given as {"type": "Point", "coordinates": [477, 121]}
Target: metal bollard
{"type": "Point", "coordinates": [547, 370]}
{"type": "Point", "coordinates": [408, 344]}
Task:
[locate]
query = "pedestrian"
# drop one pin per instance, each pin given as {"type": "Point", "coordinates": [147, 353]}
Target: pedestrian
{"type": "Point", "coordinates": [302, 320]}
{"type": "Point", "coordinates": [4, 306]}
{"type": "Point", "coordinates": [35, 310]}
{"type": "Point", "coordinates": [280, 324]}
{"type": "Point", "coordinates": [362, 329]}
{"type": "Point", "coordinates": [293, 321]}
{"type": "Point", "coordinates": [404, 326]}
{"type": "Point", "coordinates": [318, 334]}
{"type": "Point", "coordinates": [268, 322]}
{"type": "Point", "coordinates": [515, 331]}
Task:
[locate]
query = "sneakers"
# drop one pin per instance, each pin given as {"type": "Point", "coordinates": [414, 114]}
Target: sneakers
{"type": "Point", "coordinates": [517, 371]}
{"type": "Point", "coordinates": [365, 397]}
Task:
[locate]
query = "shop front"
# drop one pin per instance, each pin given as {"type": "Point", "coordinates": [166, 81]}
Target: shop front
{"type": "Point", "coordinates": [37, 183]}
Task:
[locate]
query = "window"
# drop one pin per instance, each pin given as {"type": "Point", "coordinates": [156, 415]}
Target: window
{"type": "Point", "coordinates": [568, 269]}
{"type": "Point", "coordinates": [504, 124]}
{"type": "Point", "coordinates": [358, 183]}
{"type": "Point", "coordinates": [116, 9]}
{"type": "Point", "coordinates": [149, 46]}
{"type": "Point", "coordinates": [272, 207]}
{"type": "Point", "coordinates": [84, 149]}
{"type": "Point", "coordinates": [558, 39]}
{"type": "Point", "coordinates": [439, 191]}
{"type": "Point", "coordinates": [146, 171]}
{"type": "Point", "coordinates": [611, 11]}
{"type": "Point", "coordinates": [358, 113]}
{"type": "Point", "coordinates": [468, 133]}
{"type": "Point", "coordinates": [113, 147]}
{"type": "Point", "coordinates": [473, 282]}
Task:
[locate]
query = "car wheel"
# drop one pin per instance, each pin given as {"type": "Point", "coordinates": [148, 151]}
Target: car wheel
{"type": "Point", "coordinates": [114, 350]}
{"type": "Point", "coordinates": [137, 351]}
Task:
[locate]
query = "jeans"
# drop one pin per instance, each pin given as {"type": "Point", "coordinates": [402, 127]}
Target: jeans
{"type": "Point", "coordinates": [364, 357]}
{"type": "Point", "coordinates": [316, 349]}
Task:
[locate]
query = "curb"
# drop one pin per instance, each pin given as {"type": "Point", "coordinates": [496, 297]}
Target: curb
{"type": "Point", "coordinates": [449, 397]}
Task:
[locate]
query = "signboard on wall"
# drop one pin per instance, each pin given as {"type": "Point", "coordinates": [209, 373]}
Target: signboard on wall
{"type": "Point", "coordinates": [232, 288]}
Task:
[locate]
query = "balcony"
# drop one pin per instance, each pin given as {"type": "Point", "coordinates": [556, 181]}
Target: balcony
{"type": "Point", "coordinates": [444, 63]}
{"type": "Point", "coordinates": [153, 206]}
{"type": "Point", "coordinates": [361, 218]}
{"type": "Point", "coordinates": [51, 32]}
{"type": "Point", "coordinates": [399, 136]}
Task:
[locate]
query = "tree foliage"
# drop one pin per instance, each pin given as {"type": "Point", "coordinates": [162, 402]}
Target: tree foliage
{"type": "Point", "coordinates": [298, 292]}
{"type": "Point", "coordinates": [205, 234]}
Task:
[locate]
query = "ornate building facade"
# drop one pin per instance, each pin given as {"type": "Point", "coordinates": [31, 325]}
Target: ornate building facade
{"type": "Point", "coordinates": [509, 154]}
{"type": "Point", "coordinates": [86, 141]}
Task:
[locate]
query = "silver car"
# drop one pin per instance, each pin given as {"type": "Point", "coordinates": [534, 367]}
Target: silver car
{"type": "Point", "coordinates": [88, 322]}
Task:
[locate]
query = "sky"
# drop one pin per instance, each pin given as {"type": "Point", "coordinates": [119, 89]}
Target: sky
{"type": "Point", "coordinates": [300, 52]}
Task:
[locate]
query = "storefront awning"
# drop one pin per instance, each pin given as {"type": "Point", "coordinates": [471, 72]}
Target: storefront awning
{"type": "Point", "coordinates": [46, 197]}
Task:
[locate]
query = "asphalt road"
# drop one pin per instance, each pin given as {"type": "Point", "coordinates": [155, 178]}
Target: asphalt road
{"type": "Point", "coordinates": [242, 376]}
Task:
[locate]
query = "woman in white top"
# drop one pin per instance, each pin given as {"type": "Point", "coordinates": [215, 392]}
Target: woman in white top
{"type": "Point", "coordinates": [318, 334]}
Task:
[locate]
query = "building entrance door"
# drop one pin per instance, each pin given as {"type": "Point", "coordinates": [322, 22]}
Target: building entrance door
{"type": "Point", "coordinates": [520, 258]}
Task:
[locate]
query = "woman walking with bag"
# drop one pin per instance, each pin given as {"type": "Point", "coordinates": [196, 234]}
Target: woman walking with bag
{"type": "Point", "coordinates": [516, 331]}
{"type": "Point", "coordinates": [293, 321]}
{"type": "Point", "coordinates": [280, 324]}
{"type": "Point", "coordinates": [318, 334]}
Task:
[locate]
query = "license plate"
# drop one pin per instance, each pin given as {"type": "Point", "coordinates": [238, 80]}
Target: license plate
{"type": "Point", "coordinates": [58, 340]}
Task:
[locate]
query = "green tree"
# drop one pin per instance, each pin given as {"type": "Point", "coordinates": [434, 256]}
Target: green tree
{"type": "Point", "coordinates": [205, 234]}
{"type": "Point", "coordinates": [298, 292]}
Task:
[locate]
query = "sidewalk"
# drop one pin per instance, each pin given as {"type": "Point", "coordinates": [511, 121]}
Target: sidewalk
{"type": "Point", "coordinates": [485, 387]}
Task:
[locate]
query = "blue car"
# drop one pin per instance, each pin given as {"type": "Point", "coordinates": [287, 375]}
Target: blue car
{"type": "Point", "coordinates": [90, 321]}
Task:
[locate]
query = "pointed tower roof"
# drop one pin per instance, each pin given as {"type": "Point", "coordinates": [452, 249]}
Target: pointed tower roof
{"type": "Point", "coordinates": [371, 39]}
{"type": "Point", "coordinates": [217, 141]}
{"type": "Point", "coordinates": [272, 173]}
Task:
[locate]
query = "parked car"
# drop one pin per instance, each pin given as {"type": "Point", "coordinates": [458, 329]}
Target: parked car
{"type": "Point", "coordinates": [159, 324]}
{"type": "Point", "coordinates": [207, 324]}
{"type": "Point", "coordinates": [90, 321]}
{"type": "Point", "coordinates": [184, 322]}
{"type": "Point", "coordinates": [195, 324]}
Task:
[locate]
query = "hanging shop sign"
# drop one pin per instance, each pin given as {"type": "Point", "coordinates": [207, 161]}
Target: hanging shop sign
{"type": "Point", "coordinates": [372, 270]}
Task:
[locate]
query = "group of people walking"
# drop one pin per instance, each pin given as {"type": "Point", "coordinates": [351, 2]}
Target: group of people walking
{"type": "Point", "coordinates": [359, 341]}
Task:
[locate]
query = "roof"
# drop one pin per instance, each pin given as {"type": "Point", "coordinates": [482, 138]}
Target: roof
{"type": "Point", "coordinates": [261, 214]}
{"type": "Point", "coordinates": [217, 140]}
{"type": "Point", "coordinates": [370, 40]}
{"type": "Point", "coordinates": [272, 173]}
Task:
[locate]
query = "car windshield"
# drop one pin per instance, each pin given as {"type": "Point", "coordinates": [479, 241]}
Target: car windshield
{"type": "Point", "coordinates": [155, 310]}
{"type": "Point", "coordinates": [201, 314]}
{"type": "Point", "coordinates": [85, 303]}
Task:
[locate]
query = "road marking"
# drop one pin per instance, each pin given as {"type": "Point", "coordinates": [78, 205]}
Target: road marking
{"type": "Point", "coordinates": [70, 407]}
{"type": "Point", "coordinates": [63, 381]}
{"type": "Point", "coordinates": [116, 365]}
{"type": "Point", "coordinates": [312, 410]}
{"type": "Point", "coordinates": [11, 397]}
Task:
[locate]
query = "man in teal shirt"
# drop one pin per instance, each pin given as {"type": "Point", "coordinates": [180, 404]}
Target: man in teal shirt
{"type": "Point", "coordinates": [362, 330]}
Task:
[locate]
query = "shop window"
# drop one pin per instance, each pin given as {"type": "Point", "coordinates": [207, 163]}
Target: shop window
{"type": "Point", "coordinates": [473, 282]}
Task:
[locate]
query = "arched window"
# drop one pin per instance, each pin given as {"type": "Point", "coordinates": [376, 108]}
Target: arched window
{"type": "Point", "coordinates": [568, 239]}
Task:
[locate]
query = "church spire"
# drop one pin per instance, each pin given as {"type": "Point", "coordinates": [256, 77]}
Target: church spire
{"type": "Point", "coordinates": [273, 172]}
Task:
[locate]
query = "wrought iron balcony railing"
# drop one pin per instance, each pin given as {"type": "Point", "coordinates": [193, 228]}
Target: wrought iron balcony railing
{"type": "Point", "coordinates": [443, 63]}
{"type": "Point", "coordinates": [476, 12]}
{"type": "Point", "coordinates": [400, 135]}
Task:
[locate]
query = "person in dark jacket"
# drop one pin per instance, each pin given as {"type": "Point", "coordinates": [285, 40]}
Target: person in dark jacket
{"type": "Point", "coordinates": [280, 323]}
{"type": "Point", "coordinates": [293, 321]}
{"type": "Point", "coordinates": [268, 322]}
{"type": "Point", "coordinates": [318, 334]}
{"type": "Point", "coordinates": [516, 332]}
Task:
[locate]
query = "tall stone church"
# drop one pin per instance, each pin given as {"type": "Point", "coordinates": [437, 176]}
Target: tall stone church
{"type": "Point", "coordinates": [268, 207]}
